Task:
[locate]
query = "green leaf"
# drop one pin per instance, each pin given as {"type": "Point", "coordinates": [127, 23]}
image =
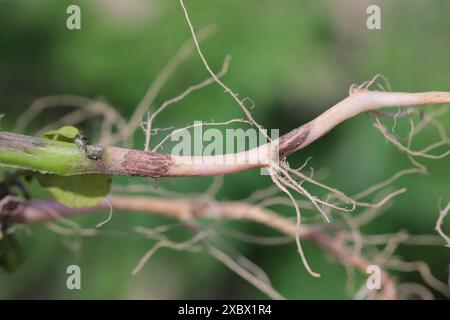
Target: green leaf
{"type": "Point", "coordinates": [66, 134]}
{"type": "Point", "coordinates": [77, 190]}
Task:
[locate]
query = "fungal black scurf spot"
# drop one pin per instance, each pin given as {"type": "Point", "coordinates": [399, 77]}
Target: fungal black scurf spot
{"type": "Point", "coordinates": [291, 141]}
{"type": "Point", "coordinates": [81, 142]}
{"type": "Point", "coordinates": [146, 164]}
{"type": "Point", "coordinates": [94, 152]}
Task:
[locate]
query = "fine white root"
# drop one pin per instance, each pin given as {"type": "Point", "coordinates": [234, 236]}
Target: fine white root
{"type": "Point", "coordinates": [278, 182]}
{"type": "Point", "coordinates": [184, 94]}
{"type": "Point", "coordinates": [442, 214]}
{"type": "Point", "coordinates": [213, 75]}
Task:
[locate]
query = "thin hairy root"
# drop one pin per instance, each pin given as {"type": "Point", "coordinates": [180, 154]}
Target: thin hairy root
{"type": "Point", "coordinates": [159, 145]}
{"type": "Point", "coordinates": [408, 291]}
{"type": "Point", "coordinates": [382, 201]}
{"type": "Point", "coordinates": [148, 189]}
{"type": "Point", "coordinates": [11, 207]}
{"type": "Point", "coordinates": [289, 182]}
{"type": "Point", "coordinates": [241, 266]}
{"type": "Point", "coordinates": [164, 242]}
{"type": "Point", "coordinates": [385, 183]}
{"type": "Point", "coordinates": [317, 203]}
{"type": "Point", "coordinates": [243, 261]}
{"type": "Point", "coordinates": [188, 91]}
{"type": "Point", "coordinates": [257, 271]}
{"type": "Point", "coordinates": [110, 213]}
{"type": "Point", "coordinates": [86, 109]}
{"type": "Point", "coordinates": [426, 152]}
{"type": "Point", "coordinates": [66, 232]}
{"type": "Point", "coordinates": [424, 271]}
{"type": "Point", "coordinates": [362, 293]}
{"type": "Point", "coordinates": [213, 75]}
{"type": "Point", "coordinates": [214, 187]}
{"type": "Point", "coordinates": [340, 195]}
{"type": "Point", "coordinates": [262, 194]}
{"type": "Point", "coordinates": [413, 240]}
{"type": "Point", "coordinates": [278, 182]}
{"type": "Point", "coordinates": [336, 247]}
{"type": "Point", "coordinates": [420, 153]}
{"type": "Point", "coordinates": [72, 118]}
{"type": "Point", "coordinates": [245, 274]}
{"type": "Point", "coordinates": [442, 214]}
{"type": "Point", "coordinates": [391, 246]}
{"type": "Point", "coordinates": [163, 76]}
{"type": "Point", "coordinates": [280, 200]}
{"type": "Point", "coordinates": [356, 88]}
{"type": "Point", "coordinates": [41, 211]}
{"type": "Point", "coordinates": [369, 214]}
{"type": "Point", "coordinates": [356, 236]}
{"type": "Point", "coordinates": [250, 238]}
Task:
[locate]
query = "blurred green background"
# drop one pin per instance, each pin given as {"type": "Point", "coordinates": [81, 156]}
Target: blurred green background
{"type": "Point", "coordinates": [293, 58]}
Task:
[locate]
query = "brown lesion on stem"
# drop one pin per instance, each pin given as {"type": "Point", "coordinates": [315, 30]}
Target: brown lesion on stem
{"type": "Point", "coordinates": [129, 162]}
{"type": "Point", "coordinates": [292, 141]}
{"type": "Point", "coordinates": [146, 164]}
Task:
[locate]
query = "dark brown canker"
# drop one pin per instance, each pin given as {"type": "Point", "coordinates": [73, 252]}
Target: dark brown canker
{"type": "Point", "coordinates": [291, 141]}
{"type": "Point", "coordinates": [146, 164]}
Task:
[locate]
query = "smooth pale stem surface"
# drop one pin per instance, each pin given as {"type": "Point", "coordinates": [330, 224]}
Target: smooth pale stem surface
{"type": "Point", "coordinates": [66, 159]}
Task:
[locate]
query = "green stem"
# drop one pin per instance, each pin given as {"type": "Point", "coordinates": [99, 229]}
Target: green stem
{"type": "Point", "coordinates": [65, 158]}
{"type": "Point", "coordinates": [43, 155]}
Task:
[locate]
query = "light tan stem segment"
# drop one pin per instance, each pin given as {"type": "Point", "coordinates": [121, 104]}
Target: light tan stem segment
{"type": "Point", "coordinates": [29, 151]}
